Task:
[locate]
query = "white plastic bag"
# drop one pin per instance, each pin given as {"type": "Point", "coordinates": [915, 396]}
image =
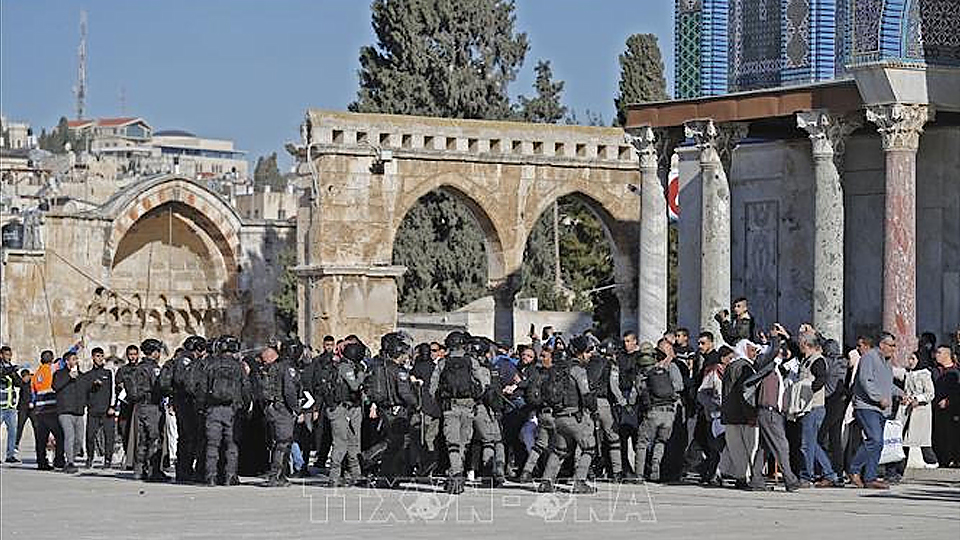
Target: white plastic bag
{"type": "Point", "coordinates": [892, 443]}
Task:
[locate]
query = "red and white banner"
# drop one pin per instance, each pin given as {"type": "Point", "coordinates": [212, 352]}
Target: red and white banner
{"type": "Point", "coordinates": [673, 190]}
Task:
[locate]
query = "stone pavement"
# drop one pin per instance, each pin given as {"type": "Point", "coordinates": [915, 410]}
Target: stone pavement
{"type": "Point", "coordinates": [98, 504]}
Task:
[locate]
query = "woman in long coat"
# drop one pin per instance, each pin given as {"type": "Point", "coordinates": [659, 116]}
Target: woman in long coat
{"type": "Point", "coordinates": [916, 414]}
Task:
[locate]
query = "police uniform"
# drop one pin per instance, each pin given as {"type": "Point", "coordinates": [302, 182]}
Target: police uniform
{"type": "Point", "coordinates": [281, 394]}
{"type": "Point", "coordinates": [173, 377]}
{"type": "Point", "coordinates": [221, 410]}
{"type": "Point", "coordinates": [486, 426]}
{"type": "Point", "coordinates": [395, 414]}
{"type": "Point", "coordinates": [457, 420]}
{"type": "Point", "coordinates": [100, 401]}
{"type": "Point", "coordinates": [345, 416]}
{"type": "Point", "coordinates": [604, 377]}
{"type": "Point", "coordinates": [574, 428]}
{"type": "Point", "coordinates": [149, 413]}
{"type": "Point", "coordinates": [546, 428]}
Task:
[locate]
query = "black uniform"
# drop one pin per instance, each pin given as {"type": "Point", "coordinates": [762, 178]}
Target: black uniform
{"type": "Point", "coordinates": [281, 396]}
{"type": "Point", "coordinates": [227, 390]}
{"type": "Point", "coordinates": [147, 398]}
{"type": "Point", "coordinates": [395, 411]}
{"type": "Point", "coordinates": [101, 414]}
{"type": "Point", "coordinates": [177, 380]}
{"type": "Point", "coordinates": [125, 419]}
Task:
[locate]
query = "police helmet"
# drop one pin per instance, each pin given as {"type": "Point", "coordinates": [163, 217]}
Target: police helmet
{"type": "Point", "coordinates": [150, 346]}
{"type": "Point", "coordinates": [456, 340]}
{"type": "Point", "coordinates": [354, 352]}
{"type": "Point", "coordinates": [291, 349]}
{"type": "Point", "coordinates": [194, 344]}
{"type": "Point", "coordinates": [392, 345]}
{"type": "Point", "coordinates": [580, 344]}
{"type": "Point", "coordinates": [478, 346]}
{"type": "Point", "coordinates": [226, 344]}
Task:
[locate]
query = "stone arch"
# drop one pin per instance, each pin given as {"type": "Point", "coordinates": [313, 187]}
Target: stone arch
{"type": "Point", "coordinates": [209, 211]}
{"type": "Point", "coordinates": [473, 197]}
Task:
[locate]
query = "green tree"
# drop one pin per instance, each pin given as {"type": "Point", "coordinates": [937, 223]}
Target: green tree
{"type": "Point", "coordinates": [641, 74]}
{"type": "Point", "coordinates": [442, 247]}
{"type": "Point", "coordinates": [56, 141]}
{"type": "Point", "coordinates": [545, 107]}
{"type": "Point", "coordinates": [266, 173]}
{"type": "Point", "coordinates": [448, 58]}
{"type": "Point", "coordinates": [285, 299]}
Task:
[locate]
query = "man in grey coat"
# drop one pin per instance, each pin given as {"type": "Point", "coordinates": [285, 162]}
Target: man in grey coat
{"type": "Point", "coordinates": [873, 394]}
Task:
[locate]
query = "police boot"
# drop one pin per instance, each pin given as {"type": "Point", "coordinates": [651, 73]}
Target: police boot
{"type": "Point", "coordinates": [450, 486]}
{"type": "Point", "coordinates": [546, 486]}
{"type": "Point", "coordinates": [460, 485]}
{"type": "Point", "coordinates": [498, 481]}
{"type": "Point", "coordinates": [525, 477]}
{"type": "Point", "coordinates": [581, 486]}
{"type": "Point", "coordinates": [233, 481]}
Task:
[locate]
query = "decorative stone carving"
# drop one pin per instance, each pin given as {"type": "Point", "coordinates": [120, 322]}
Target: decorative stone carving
{"type": "Point", "coordinates": [900, 125]}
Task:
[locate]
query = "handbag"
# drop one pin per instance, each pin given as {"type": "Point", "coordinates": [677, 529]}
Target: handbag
{"type": "Point", "coordinates": [892, 443]}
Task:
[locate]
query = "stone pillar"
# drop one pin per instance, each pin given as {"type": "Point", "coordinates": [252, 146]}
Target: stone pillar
{"type": "Point", "coordinates": [652, 265]}
{"type": "Point", "coordinates": [827, 132]}
{"type": "Point", "coordinates": [504, 293]}
{"type": "Point", "coordinates": [900, 127]}
{"type": "Point", "coordinates": [714, 224]}
{"type": "Point", "coordinates": [349, 299]}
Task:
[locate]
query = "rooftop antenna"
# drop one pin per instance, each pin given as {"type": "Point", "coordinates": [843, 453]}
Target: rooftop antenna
{"type": "Point", "coordinates": [81, 89]}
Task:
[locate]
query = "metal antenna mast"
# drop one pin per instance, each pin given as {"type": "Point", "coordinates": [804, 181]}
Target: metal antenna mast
{"type": "Point", "coordinates": [81, 89]}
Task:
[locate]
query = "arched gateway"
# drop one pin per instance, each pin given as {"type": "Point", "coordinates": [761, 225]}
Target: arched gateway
{"type": "Point", "coordinates": [370, 169]}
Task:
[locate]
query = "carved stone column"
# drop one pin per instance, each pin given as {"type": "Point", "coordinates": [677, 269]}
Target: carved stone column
{"type": "Point", "coordinates": [652, 271]}
{"type": "Point", "coordinates": [900, 127]}
{"type": "Point", "coordinates": [714, 224]}
{"type": "Point", "coordinates": [826, 133]}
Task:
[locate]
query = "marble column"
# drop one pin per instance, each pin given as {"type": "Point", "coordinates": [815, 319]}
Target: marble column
{"type": "Point", "coordinates": [714, 224]}
{"type": "Point", "coordinates": [900, 126]}
{"type": "Point", "coordinates": [652, 266]}
{"type": "Point", "coordinates": [826, 132]}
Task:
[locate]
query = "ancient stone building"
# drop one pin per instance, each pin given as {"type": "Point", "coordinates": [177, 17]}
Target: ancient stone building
{"type": "Point", "coordinates": [371, 169]}
{"type": "Point", "coordinates": [164, 257]}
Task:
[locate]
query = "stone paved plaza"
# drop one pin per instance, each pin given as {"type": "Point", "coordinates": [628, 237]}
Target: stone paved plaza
{"type": "Point", "coordinates": [99, 505]}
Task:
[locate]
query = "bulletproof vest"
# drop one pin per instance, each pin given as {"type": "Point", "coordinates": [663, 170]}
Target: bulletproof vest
{"type": "Point", "coordinates": [342, 391]}
{"type": "Point", "coordinates": [598, 375]}
{"type": "Point", "coordinates": [272, 383]}
{"type": "Point", "coordinates": [629, 364]}
{"type": "Point", "coordinates": [559, 388]}
{"type": "Point", "coordinates": [493, 395]}
{"type": "Point", "coordinates": [660, 386]}
{"type": "Point", "coordinates": [145, 383]}
{"type": "Point", "coordinates": [456, 379]}
{"type": "Point", "coordinates": [326, 383]}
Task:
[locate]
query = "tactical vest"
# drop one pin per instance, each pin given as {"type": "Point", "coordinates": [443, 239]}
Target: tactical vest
{"type": "Point", "coordinates": [598, 375]}
{"type": "Point", "coordinates": [272, 384]}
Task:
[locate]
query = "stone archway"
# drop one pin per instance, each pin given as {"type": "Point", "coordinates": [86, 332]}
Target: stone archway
{"type": "Point", "coordinates": [370, 169]}
{"type": "Point", "coordinates": [171, 261]}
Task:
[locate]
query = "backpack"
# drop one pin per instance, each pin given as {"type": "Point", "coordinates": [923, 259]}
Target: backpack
{"type": "Point", "coordinates": [558, 389]}
{"type": "Point", "coordinates": [533, 393]}
{"type": "Point", "coordinates": [493, 396]}
{"type": "Point", "coordinates": [659, 385]}
{"type": "Point", "coordinates": [224, 388]}
{"type": "Point", "coordinates": [378, 385]}
{"type": "Point", "coordinates": [456, 380]}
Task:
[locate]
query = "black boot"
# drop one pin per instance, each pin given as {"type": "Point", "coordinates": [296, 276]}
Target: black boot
{"type": "Point", "coordinates": [581, 486]}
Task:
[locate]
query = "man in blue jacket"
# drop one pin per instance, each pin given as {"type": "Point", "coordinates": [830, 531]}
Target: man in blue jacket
{"type": "Point", "coordinates": [873, 394]}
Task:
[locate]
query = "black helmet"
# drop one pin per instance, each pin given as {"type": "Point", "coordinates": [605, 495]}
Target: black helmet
{"type": "Point", "coordinates": [456, 340]}
{"type": "Point", "coordinates": [194, 344]}
{"type": "Point", "coordinates": [478, 346]}
{"type": "Point", "coordinates": [149, 346]}
{"type": "Point", "coordinates": [354, 351]}
{"type": "Point", "coordinates": [580, 344]}
{"type": "Point", "coordinates": [226, 344]}
{"type": "Point", "coordinates": [291, 349]}
{"type": "Point", "coordinates": [393, 345]}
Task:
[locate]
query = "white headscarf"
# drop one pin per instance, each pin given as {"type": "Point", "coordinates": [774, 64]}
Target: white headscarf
{"type": "Point", "coordinates": [740, 351]}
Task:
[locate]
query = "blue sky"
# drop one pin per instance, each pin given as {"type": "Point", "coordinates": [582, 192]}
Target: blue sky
{"type": "Point", "coordinates": [248, 69]}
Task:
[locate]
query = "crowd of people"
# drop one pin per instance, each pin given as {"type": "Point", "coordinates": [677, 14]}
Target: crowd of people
{"type": "Point", "coordinates": [748, 408]}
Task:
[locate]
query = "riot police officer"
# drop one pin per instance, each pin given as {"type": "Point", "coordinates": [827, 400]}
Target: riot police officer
{"type": "Point", "coordinates": [177, 381]}
{"type": "Point", "coordinates": [342, 400]}
{"type": "Point", "coordinates": [456, 388]}
{"type": "Point", "coordinates": [145, 394]}
{"type": "Point", "coordinates": [604, 377]}
{"type": "Point", "coordinates": [546, 428]}
{"type": "Point", "coordinates": [394, 399]}
{"type": "Point", "coordinates": [281, 396]}
{"type": "Point", "coordinates": [486, 421]}
{"type": "Point", "coordinates": [227, 390]}
{"type": "Point", "coordinates": [567, 390]}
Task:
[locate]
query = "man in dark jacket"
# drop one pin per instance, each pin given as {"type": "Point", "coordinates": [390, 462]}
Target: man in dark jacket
{"type": "Point", "coordinates": [742, 326]}
{"type": "Point", "coordinates": [71, 400]}
{"type": "Point", "coordinates": [101, 414]}
{"type": "Point", "coordinates": [738, 415]}
{"type": "Point", "coordinates": [425, 424]}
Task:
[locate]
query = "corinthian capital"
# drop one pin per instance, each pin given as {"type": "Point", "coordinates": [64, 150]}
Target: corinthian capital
{"type": "Point", "coordinates": [706, 136]}
{"type": "Point", "coordinates": [643, 140]}
{"type": "Point", "coordinates": [900, 125]}
{"type": "Point", "coordinates": [828, 132]}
